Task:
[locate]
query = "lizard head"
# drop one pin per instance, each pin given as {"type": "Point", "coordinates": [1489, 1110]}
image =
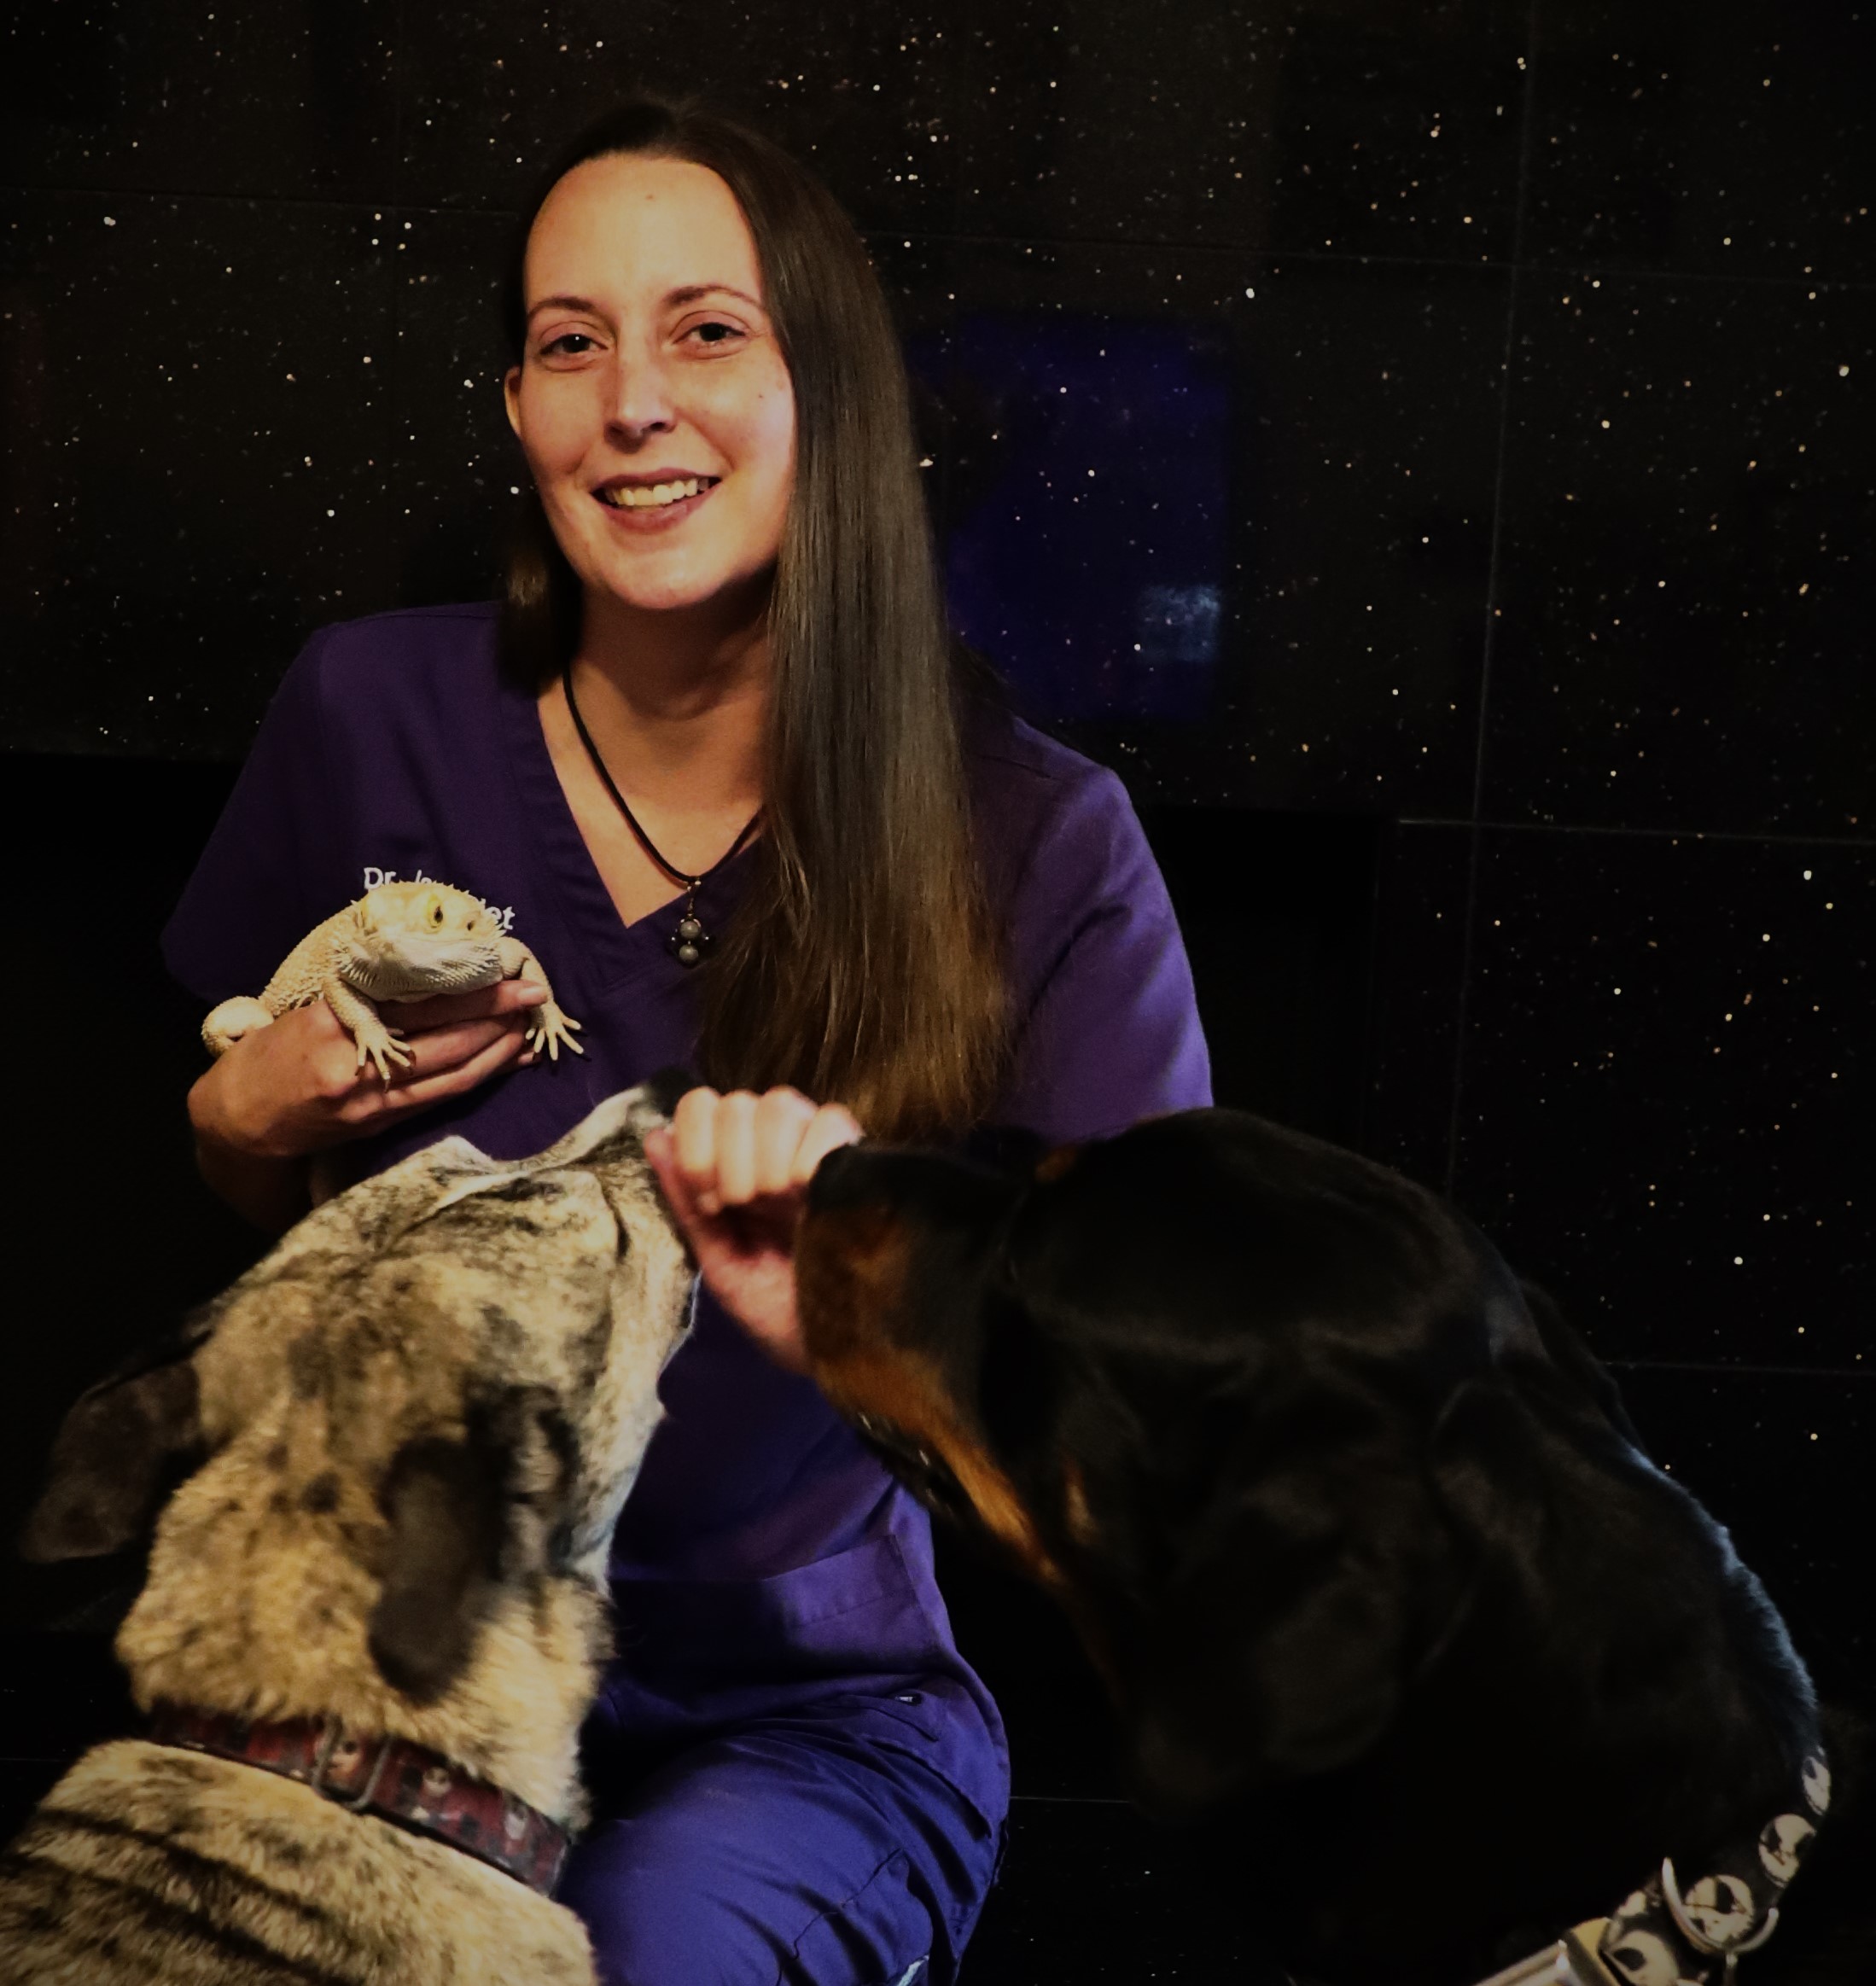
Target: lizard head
{"type": "Point", "coordinates": [405, 940]}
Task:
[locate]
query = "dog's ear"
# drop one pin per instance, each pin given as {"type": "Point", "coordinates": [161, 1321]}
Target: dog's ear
{"type": "Point", "coordinates": [118, 1453]}
{"type": "Point", "coordinates": [468, 1516]}
{"type": "Point", "coordinates": [1277, 1652]}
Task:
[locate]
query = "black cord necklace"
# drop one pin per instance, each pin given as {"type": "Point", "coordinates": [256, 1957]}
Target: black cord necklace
{"type": "Point", "coordinates": [689, 939]}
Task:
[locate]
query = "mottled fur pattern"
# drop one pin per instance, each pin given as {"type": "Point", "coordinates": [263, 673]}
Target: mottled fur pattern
{"type": "Point", "coordinates": [420, 1417]}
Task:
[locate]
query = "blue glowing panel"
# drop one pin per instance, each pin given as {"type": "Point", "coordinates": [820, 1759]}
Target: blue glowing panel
{"type": "Point", "coordinates": [1086, 552]}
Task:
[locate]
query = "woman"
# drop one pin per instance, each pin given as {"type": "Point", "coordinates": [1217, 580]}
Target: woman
{"type": "Point", "coordinates": [712, 755]}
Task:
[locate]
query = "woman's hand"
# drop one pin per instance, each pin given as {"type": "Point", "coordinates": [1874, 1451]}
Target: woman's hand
{"type": "Point", "coordinates": [735, 1170]}
{"type": "Point", "coordinates": [295, 1087]}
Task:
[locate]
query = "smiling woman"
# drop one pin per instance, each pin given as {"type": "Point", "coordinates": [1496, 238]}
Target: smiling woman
{"type": "Point", "coordinates": [711, 752]}
{"type": "Point", "coordinates": [643, 399]}
{"type": "Point", "coordinates": [686, 304]}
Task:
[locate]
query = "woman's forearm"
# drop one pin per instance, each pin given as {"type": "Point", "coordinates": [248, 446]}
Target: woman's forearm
{"type": "Point", "coordinates": [272, 1192]}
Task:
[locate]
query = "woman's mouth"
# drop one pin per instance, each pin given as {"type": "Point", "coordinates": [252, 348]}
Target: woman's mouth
{"type": "Point", "coordinates": [644, 504]}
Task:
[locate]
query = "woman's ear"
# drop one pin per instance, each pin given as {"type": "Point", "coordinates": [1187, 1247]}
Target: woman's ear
{"type": "Point", "coordinates": [511, 398]}
{"type": "Point", "coordinates": [119, 1453]}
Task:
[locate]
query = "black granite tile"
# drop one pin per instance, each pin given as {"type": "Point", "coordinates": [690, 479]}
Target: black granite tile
{"type": "Point", "coordinates": [1788, 1463]}
{"type": "Point", "coordinates": [1665, 1090]}
{"type": "Point", "coordinates": [198, 459]}
{"type": "Point", "coordinates": [863, 94]}
{"type": "Point", "coordinates": [1092, 1891]}
{"type": "Point", "coordinates": [59, 1694]}
{"type": "Point", "coordinates": [294, 99]}
{"type": "Point", "coordinates": [1226, 521]}
{"type": "Point", "coordinates": [1412, 1058]}
{"type": "Point", "coordinates": [1062, 1739]}
{"type": "Point", "coordinates": [1722, 136]}
{"type": "Point", "coordinates": [1365, 127]}
{"type": "Point", "coordinates": [1686, 588]}
{"type": "Point", "coordinates": [1277, 910]}
{"type": "Point", "coordinates": [94, 1268]}
{"type": "Point", "coordinates": [22, 1786]}
{"type": "Point", "coordinates": [458, 470]}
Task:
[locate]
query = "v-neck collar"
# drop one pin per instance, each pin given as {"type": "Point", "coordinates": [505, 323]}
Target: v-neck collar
{"type": "Point", "coordinates": [617, 952]}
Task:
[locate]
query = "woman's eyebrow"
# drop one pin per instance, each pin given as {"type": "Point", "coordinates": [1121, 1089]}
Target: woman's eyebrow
{"type": "Point", "coordinates": [692, 291]}
{"type": "Point", "coordinates": [565, 303]}
{"type": "Point", "coordinates": [690, 294]}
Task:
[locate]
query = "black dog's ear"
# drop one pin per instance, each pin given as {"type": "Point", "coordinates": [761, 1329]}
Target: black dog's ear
{"type": "Point", "coordinates": [120, 1451]}
{"type": "Point", "coordinates": [466, 1516]}
{"type": "Point", "coordinates": [1574, 1357]}
{"type": "Point", "coordinates": [1277, 1656]}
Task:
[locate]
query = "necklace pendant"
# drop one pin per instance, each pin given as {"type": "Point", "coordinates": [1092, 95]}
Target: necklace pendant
{"type": "Point", "coordinates": [689, 941]}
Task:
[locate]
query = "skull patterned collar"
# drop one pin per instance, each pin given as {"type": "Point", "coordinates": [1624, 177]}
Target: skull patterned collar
{"type": "Point", "coordinates": [1672, 1932]}
{"type": "Point", "coordinates": [1676, 1933]}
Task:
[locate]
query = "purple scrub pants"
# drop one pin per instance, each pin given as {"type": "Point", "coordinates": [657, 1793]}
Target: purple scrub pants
{"type": "Point", "coordinates": [814, 1848]}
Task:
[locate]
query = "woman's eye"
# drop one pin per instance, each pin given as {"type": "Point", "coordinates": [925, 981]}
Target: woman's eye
{"type": "Point", "coordinates": [715, 334]}
{"type": "Point", "coordinates": [569, 345]}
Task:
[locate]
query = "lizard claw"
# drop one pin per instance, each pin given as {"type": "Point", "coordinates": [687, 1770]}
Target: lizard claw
{"type": "Point", "coordinates": [549, 1028]}
{"type": "Point", "coordinates": [379, 1042]}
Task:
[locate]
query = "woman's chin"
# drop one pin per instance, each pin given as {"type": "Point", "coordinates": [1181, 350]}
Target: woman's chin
{"type": "Point", "coordinates": [677, 587]}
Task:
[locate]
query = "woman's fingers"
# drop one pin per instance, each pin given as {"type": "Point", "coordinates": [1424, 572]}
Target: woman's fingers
{"type": "Point", "coordinates": [506, 996]}
{"type": "Point", "coordinates": [435, 1050]}
{"type": "Point", "coordinates": [730, 1151]}
{"type": "Point", "coordinates": [831, 1126]}
{"type": "Point", "coordinates": [693, 1138]}
{"type": "Point", "coordinates": [736, 1152]}
{"type": "Point", "coordinates": [415, 1091]}
{"type": "Point", "coordinates": [736, 1149]}
{"type": "Point", "coordinates": [781, 1117]}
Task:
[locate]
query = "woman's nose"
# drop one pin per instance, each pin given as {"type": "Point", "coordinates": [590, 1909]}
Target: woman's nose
{"type": "Point", "coordinates": [641, 399]}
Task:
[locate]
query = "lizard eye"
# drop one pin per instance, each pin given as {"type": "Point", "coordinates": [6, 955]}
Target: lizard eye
{"type": "Point", "coordinates": [436, 917]}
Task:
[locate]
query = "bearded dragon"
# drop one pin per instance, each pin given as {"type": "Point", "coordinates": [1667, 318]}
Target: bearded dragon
{"type": "Point", "coordinates": [400, 942]}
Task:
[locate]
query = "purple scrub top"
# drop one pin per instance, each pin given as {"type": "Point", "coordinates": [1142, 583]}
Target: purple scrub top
{"type": "Point", "coordinates": [765, 1559]}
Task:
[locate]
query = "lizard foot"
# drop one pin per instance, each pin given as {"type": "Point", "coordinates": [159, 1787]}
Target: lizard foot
{"type": "Point", "coordinates": [548, 1028]}
{"type": "Point", "coordinates": [379, 1042]}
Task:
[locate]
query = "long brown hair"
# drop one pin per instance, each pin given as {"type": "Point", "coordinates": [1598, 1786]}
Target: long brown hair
{"type": "Point", "coordinates": [861, 965]}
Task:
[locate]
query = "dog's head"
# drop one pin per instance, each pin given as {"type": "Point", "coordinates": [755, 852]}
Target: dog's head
{"type": "Point", "coordinates": [1187, 1376]}
{"type": "Point", "coordinates": [409, 1427]}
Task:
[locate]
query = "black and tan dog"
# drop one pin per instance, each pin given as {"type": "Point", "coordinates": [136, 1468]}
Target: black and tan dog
{"type": "Point", "coordinates": [1384, 1590]}
{"type": "Point", "coordinates": [409, 1430]}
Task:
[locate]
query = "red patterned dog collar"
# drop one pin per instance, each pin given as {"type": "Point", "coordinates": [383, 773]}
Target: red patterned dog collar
{"type": "Point", "coordinates": [408, 1785]}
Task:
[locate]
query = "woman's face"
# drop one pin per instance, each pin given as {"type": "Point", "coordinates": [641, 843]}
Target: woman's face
{"type": "Point", "coordinates": [651, 371]}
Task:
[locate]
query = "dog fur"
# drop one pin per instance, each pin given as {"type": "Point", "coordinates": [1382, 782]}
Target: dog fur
{"type": "Point", "coordinates": [1388, 1599]}
{"type": "Point", "coordinates": [405, 1437]}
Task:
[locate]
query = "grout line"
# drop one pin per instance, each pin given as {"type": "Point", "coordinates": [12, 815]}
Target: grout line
{"type": "Point", "coordinates": [1741, 1372]}
{"type": "Point", "coordinates": [1475, 852]}
{"type": "Point", "coordinates": [1504, 827]}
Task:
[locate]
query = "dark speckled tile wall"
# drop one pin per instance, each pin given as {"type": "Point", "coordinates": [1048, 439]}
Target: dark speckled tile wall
{"type": "Point", "coordinates": [1718, 136]}
{"type": "Point", "coordinates": [1666, 1081]}
{"type": "Point", "coordinates": [197, 468]}
{"type": "Point", "coordinates": [1364, 128]}
{"type": "Point", "coordinates": [863, 92]}
{"type": "Point", "coordinates": [1686, 581]}
{"type": "Point", "coordinates": [1227, 518]}
{"type": "Point", "coordinates": [292, 100]}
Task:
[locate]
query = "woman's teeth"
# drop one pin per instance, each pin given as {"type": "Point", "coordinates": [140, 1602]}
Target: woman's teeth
{"type": "Point", "coordinates": [655, 496]}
